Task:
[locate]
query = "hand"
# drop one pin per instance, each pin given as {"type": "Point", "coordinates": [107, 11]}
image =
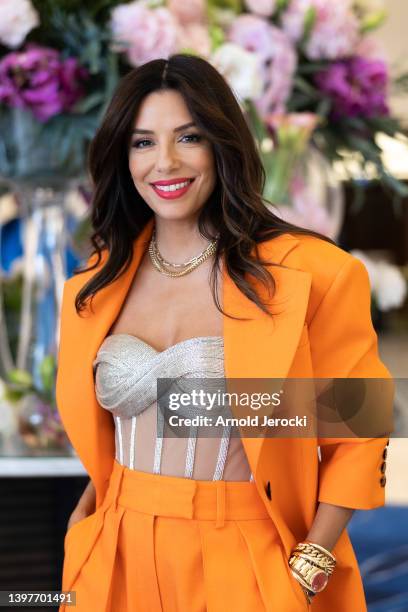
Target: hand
{"type": "Point", "coordinates": [79, 513]}
{"type": "Point", "coordinates": [308, 594]}
{"type": "Point", "coordinates": [84, 507]}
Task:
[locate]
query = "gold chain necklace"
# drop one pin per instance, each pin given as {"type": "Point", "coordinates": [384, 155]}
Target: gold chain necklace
{"type": "Point", "coordinates": [159, 262]}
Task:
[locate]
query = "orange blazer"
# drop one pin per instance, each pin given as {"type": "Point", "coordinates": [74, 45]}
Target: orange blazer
{"type": "Point", "coordinates": [322, 329]}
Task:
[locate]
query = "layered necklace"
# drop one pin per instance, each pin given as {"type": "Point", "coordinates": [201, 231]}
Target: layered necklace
{"type": "Point", "coordinates": [165, 267]}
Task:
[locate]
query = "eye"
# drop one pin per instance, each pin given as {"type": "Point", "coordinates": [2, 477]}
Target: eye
{"type": "Point", "coordinates": [194, 137]}
{"type": "Point", "coordinates": [137, 143]}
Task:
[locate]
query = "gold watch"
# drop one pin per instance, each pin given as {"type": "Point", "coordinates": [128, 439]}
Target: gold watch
{"type": "Point", "coordinates": [311, 565]}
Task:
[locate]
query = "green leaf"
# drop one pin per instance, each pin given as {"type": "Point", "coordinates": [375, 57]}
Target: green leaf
{"type": "Point", "coordinates": [47, 372]}
{"type": "Point", "coordinates": [300, 102]}
{"type": "Point", "coordinates": [312, 67]}
{"type": "Point", "coordinates": [217, 36]}
{"type": "Point", "coordinates": [367, 148]}
{"type": "Point", "coordinates": [258, 127]}
{"type": "Point", "coordinates": [400, 84]}
{"type": "Point", "coordinates": [304, 86]}
{"type": "Point", "coordinates": [396, 185]}
{"type": "Point", "coordinates": [310, 20]}
{"type": "Point", "coordinates": [20, 377]}
{"type": "Point", "coordinates": [234, 5]}
{"type": "Point", "coordinates": [373, 21]}
{"type": "Point", "coordinates": [388, 125]}
{"type": "Point", "coordinates": [281, 5]}
{"type": "Point", "coordinates": [324, 107]}
{"type": "Point", "coordinates": [12, 395]}
{"type": "Point", "coordinates": [89, 102]}
{"type": "Point", "coordinates": [356, 123]}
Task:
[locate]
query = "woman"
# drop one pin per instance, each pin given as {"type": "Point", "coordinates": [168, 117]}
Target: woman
{"type": "Point", "coordinates": [194, 523]}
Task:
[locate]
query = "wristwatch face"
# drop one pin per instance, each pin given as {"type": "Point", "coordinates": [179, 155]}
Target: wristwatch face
{"type": "Point", "coordinates": [319, 581]}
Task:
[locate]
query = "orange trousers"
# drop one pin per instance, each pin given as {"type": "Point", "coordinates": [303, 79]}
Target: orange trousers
{"type": "Point", "coordinates": [168, 544]}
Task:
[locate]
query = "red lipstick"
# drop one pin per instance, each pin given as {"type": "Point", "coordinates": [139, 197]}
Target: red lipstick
{"type": "Point", "coordinates": [173, 193]}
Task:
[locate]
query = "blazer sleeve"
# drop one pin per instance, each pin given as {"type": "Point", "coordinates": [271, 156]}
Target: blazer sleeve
{"type": "Point", "coordinates": [344, 344]}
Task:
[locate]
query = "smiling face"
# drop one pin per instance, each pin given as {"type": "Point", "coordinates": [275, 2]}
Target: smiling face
{"type": "Point", "coordinates": [171, 162]}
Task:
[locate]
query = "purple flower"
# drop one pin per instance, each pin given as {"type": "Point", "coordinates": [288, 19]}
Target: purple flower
{"type": "Point", "coordinates": [357, 87]}
{"type": "Point", "coordinates": [38, 79]}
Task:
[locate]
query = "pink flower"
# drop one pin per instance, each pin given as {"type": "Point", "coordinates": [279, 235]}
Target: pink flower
{"type": "Point", "coordinates": [195, 36]}
{"type": "Point", "coordinates": [293, 129]}
{"type": "Point", "coordinates": [371, 48]}
{"type": "Point", "coordinates": [294, 18]}
{"type": "Point", "coordinates": [264, 8]}
{"type": "Point", "coordinates": [335, 30]}
{"type": "Point", "coordinates": [192, 11]}
{"type": "Point", "coordinates": [144, 34]}
{"type": "Point", "coordinates": [276, 56]}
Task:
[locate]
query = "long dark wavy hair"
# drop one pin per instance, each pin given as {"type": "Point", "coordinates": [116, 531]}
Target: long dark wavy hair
{"type": "Point", "coordinates": [235, 208]}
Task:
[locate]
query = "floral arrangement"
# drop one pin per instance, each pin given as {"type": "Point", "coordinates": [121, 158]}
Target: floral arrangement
{"type": "Point", "coordinates": [279, 56]}
{"type": "Point", "coordinates": [306, 72]}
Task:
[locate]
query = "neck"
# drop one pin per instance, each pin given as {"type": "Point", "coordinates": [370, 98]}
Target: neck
{"type": "Point", "coordinates": [179, 240]}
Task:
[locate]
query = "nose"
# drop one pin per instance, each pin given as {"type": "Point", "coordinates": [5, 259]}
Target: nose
{"type": "Point", "coordinates": [167, 158]}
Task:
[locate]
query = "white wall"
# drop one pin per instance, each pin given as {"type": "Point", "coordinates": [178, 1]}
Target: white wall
{"type": "Point", "coordinates": [393, 38]}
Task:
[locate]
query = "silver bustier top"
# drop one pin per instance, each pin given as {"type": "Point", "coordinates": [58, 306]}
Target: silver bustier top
{"type": "Point", "coordinates": [126, 369]}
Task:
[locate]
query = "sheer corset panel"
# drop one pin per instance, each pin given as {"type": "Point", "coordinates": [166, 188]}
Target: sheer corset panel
{"type": "Point", "coordinates": [126, 369]}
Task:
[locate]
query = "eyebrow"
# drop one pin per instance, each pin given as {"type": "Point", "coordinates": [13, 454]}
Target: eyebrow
{"type": "Point", "coordinates": [177, 129]}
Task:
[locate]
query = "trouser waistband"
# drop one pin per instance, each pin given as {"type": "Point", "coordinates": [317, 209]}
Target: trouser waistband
{"type": "Point", "coordinates": [163, 495]}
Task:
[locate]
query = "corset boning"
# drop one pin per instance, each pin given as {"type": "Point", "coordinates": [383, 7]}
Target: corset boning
{"type": "Point", "coordinates": [126, 370]}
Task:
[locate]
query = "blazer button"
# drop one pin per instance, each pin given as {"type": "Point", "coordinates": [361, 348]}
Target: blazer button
{"type": "Point", "coordinates": [384, 455]}
{"type": "Point", "coordinates": [268, 490]}
{"type": "Point", "coordinates": [387, 443]}
{"type": "Point", "coordinates": [383, 466]}
{"type": "Point", "coordinates": [383, 481]}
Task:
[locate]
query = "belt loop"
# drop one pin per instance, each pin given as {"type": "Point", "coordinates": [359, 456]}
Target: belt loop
{"type": "Point", "coordinates": [220, 488]}
{"type": "Point", "coordinates": [116, 491]}
{"type": "Point", "coordinates": [192, 509]}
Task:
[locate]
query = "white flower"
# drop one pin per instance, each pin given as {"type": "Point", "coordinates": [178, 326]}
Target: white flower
{"type": "Point", "coordinates": [388, 284]}
{"type": "Point", "coordinates": [276, 56]}
{"type": "Point", "coordinates": [17, 18]}
{"type": "Point", "coordinates": [241, 70]}
{"type": "Point", "coordinates": [370, 265]}
{"type": "Point", "coordinates": [391, 286]}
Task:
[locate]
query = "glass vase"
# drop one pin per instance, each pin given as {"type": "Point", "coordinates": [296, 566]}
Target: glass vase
{"type": "Point", "coordinates": [29, 341]}
{"type": "Point", "coordinates": [311, 195]}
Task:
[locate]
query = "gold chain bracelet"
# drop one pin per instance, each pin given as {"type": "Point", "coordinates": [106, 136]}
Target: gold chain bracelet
{"type": "Point", "coordinates": [311, 565]}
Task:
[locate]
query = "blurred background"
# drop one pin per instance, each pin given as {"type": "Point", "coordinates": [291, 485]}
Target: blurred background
{"type": "Point", "coordinates": [323, 85]}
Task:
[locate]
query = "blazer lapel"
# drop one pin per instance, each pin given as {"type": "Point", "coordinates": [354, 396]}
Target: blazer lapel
{"type": "Point", "coordinates": [260, 347]}
{"type": "Point", "coordinates": [264, 347]}
{"type": "Point", "coordinates": [89, 427]}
